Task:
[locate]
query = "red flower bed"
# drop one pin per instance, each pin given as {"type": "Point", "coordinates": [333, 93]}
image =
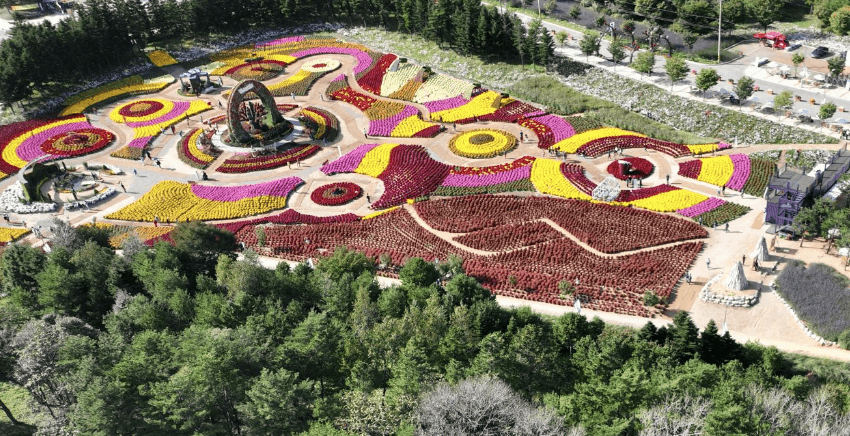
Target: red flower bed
{"type": "Point", "coordinates": [141, 108]}
{"type": "Point", "coordinates": [575, 174]}
{"type": "Point", "coordinates": [359, 100]}
{"type": "Point", "coordinates": [639, 194]}
{"type": "Point", "coordinates": [335, 194]}
{"type": "Point", "coordinates": [606, 283]}
{"type": "Point", "coordinates": [601, 146]}
{"type": "Point", "coordinates": [690, 169]}
{"type": "Point", "coordinates": [545, 135]}
{"type": "Point", "coordinates": [371, 81]}
{"type": "Point", "coordinates": [77, 143]}
{"type": "Point", "coordinates": [606, 228]}
{"type": "Point", "coordinates": [509, 236]}
{"type": "Point", "coordinates": [639, 168]}
{"type": "Point", "coordinates": [510, 112]}
{"type": "Point", "coordinates": [290, 216]}
{"type": "Point", "coordinates": [428, 132]}
{"type": "Point", "coordinates": [276, 160]}
{"type": "Point", "coordinates": [411, 173]}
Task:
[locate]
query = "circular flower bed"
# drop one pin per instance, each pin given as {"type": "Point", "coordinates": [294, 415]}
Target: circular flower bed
{"type": "Point", "coordinates": [323, 65]}
{"type": "Point", "coordinates": [638, 168]}
{"type": "Point", "coordinates": [261, 70]}
{"type": "Point", "coordinates": [335, 194]}
{"type": "Point", "coordinates": [141, 108]}
{"type": "Point", "coordinates": [482, 143]}
{"type": "Point", "coordinates": [77, 142]}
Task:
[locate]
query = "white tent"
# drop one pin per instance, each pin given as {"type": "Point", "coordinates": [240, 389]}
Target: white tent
{"type": "Point", "coordinates": [761, 253]}
{"type": "Point", "coordinates": [736, 280]}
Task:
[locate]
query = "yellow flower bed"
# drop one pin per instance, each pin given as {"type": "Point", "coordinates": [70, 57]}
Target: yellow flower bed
{"type": "Point", "coordinates": [573, 143]}
{"type": "Point", "coordinates": [379, 213]}
{"type": "Point", "coordinates": [291, 80]}
{"type": "Point", "coordinates": [701, 148]}
{"type": "Point", "coordinates": [174, 201]}
{"type": "Point", "coordinates": [9, 234]}
{"type": "Point", "coordinates": [195, 151]}
{"type": "Point", "coordinates": [161, 58]}
{"type": "Point", "coordinates": [410, 126]}
{"type": "Point", "coordinates": [144, 233]}
{"type": "Point", "coordinates": [478, 106]}
{"type": "Point", "coordinates": [669, 201]}
{"type": "Point", "coordinates": [232, 58]}
{"type": "Point", "coordinates": [716, 170]}
{"type": "Point", "coordinates": [109, 93]}
{"type": "Point", "coordinates": [482, 143]}
{"type": "Point", "coordinates": [115, 114]}
{"type": "Point", "coordinates": [547, 178]}
{"type": "Point", "coordinates": [195, 108]}
{"type": "Point", "coordinates": [376, 160]}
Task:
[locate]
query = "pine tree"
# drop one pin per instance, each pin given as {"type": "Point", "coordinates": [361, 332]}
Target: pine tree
{"type": "Point", "coordinates": [545, 46]}
{"type": "Point", "coordinates": [437, 26]}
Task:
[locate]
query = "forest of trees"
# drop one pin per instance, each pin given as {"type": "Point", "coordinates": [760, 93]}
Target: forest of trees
{"type": "Point", "coordinates": [109, 33]}
{"type": "Point", "coordinates": [185, 339]}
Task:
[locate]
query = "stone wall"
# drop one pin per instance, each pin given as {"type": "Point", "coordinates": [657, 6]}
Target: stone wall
{"type": "Point", "coordinates": [741, 301]}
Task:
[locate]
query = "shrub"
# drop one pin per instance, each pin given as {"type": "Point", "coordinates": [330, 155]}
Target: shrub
{"type": "Point", "coordinates": [650, 299]}
{"type": "Point", "coordinates": [819, 296]}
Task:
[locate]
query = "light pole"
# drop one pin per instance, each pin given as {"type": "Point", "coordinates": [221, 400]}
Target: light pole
{"type": "Point", "coordinates": [719, 28]}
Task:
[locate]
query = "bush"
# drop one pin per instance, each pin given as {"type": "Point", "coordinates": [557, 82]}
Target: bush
{"type": "Point", "coordinates": [650, 299]}
{"type": "Point", "coordinates": [844, 339]}
{"type": "Point", "coordinates": [40, 174]}
{"type": "Point", "coordinates": [819, 296]}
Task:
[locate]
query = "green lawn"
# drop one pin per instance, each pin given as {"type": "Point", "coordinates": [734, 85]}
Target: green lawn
{"type": "Point", "coordinates": [16, 398]}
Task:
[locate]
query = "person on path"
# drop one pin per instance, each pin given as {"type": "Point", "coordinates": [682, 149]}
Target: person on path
{"type": "Point", "coordinates": [640, 183]}
{"type": "Point", "coordinates": [668, 179]}
{"type": "Point", "coordinates": [135, 172]}
{"type": "Point", "coordinates": [172, 129]}
{"type": "Point", "coordinates": [158, 163]}
{"type": "Point", "coordinates": [219, 104]}
{"type": "Point", "coordinates": [708, 263]}
{"type": "Point", "coordinates": [122, 186]}
{"type": "Point", "coordinates": [293, 96]}
{"type": "Point", "coordinates": [521, 138]}
{"type": "Point", "coordinates": [368, 198]}
{"type": "Point", "coordinates": [454, 127]}
{"type": "Point", "coordinates": [155, 221]}
{"type": "Point", "coordinates": [718, 192]}
{"type": "Point", "coordinates": [727, 227]}
{"type": "Point", "coordinates": [743, 259]}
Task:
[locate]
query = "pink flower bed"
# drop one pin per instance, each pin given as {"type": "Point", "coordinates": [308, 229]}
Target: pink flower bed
{"type": "Point", "coordinates": [445, 104]}
{"type": "Point", "coordinates": [485, 178]}
{"type": "Point", "coordinates": [349, 162]}
{"type": "Point", "coordinates": [30, 149]}
{"type": "Point", "coordinates": [364, 61]}
{"type": "Point", "coordinates": [180, 107]}
{"type": "Point", "coordinates": [385, 126]}
{"type": "Point", "coordinates": [561, 129]}
{"type": "Point", "coordinates": [740, 173]}
{"type": "Point", "coordinates": [279, 41]}
{"type": "Point", "coordinates": [275, 188]}
{"type": "Point", "coordinates": [723, 146]}
{"type": "Point", "coordinates": [701, 207]}
{"type": "Point", "coordinates": [139, 142]}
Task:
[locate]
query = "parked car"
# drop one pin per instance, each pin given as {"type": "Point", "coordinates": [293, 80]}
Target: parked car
{"type": "Point", "coordinates": [793, 46]}
{"type": "Point", "coordinates": [820, 52]}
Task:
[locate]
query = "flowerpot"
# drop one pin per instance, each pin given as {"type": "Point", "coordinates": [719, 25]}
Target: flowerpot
{"type": "Point", "coordinates": [812, 101]}
{"type": "Point", "coordinates": [769, 92]}
{"type": "Point", "coordinates": [840, 108]}
{"type": "Point", "coordinates": [797, 98]}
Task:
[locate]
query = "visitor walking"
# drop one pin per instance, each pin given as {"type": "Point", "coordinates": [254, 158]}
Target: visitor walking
{"type": "Point", "coordinates": [122, 187]}
{"type": "Point", "coordinates": [708, 263]}
{"type": "Point", "coordinates": [293, 96]}
{"type": "Point", "coordinates": [368, 198]}
{"type": "Point", "coordinates": [668, 179]}
{"type": "Point", "coordinates": [727, 227]}
{"type": "Point", "coordinates": [158, 163]}
{"type": "Point", "coordinates": [135, 172]}
{"type": "Point", "coordinates": [521, 137]}
{"type": "Point", "coordinates": [156, 221]}
{"type": "Point", "coordinates": [172, 129]}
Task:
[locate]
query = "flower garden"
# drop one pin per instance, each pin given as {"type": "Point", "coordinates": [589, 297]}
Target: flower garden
{"type": "Point", "coordinates": [523, 224]}
{"type": "Point", "coordinates": [10, 234]}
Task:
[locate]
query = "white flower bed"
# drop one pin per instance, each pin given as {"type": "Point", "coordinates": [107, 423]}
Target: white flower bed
{"type": "Point", "coordinates": [10, 200]}
{"type": "Point", "coordinates": [91, 201]}
{"type": "Point", "coordinates": [394, 80]}
{"type": "Point", "coordinates": [441, 87]}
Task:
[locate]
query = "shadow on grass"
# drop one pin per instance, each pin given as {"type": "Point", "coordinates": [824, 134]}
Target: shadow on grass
{"type": "Point", "coordinates": [7, 429]}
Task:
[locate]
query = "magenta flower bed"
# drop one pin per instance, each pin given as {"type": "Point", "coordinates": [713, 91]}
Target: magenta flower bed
{"type": "Point", "coordinates": [275, 188]}
{"type": "Point", "coordinates": [740, 172]}
{"type": "Point", "coordinates": [470, 181]}
{"type": "Point", "coordinates": [701, 207]}
{"type": "Point", "coordinates": [445, 104]}
{"type": "Point", "coordinates": [690, 169]}
{"type": "Point", "coordinates": [279, 41]}
{"type": "Point", "coordinates": [30, 149]}
{"type": "Point", "coordinates": [349, 162]}
{"type": "Point", "coordinates": [363, 58]}
{"type": "Point", "coordinates": [723, 146]}
{"type": "Point", "coordinates": [385, 126]}
{"type": "Point", "coordinates": [139, 142]}
{"type": "Point", "coordinates": [537, 113]}
{"type": "Point", "coordinates": [561, 129]}
{"type": "Point", "coordinates": [180, 107]}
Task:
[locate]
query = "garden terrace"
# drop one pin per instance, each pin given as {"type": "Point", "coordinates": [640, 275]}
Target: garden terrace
{"type": "Point", "coordinates": [509, 236]}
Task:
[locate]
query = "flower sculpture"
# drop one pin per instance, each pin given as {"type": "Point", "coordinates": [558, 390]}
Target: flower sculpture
{"type": "Point", "coordinates": [323, 124]}
{"type": "Point", "coordinates": [336, 194]}
{"type": "Point", "coordinates": [630, 167]}
{"type": "Point", "coordinates": [482, 143]}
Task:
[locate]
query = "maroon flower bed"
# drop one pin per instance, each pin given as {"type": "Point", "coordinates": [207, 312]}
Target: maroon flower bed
{"type": "Point", "coordinates": [428, 132]}
{"type": "Point", "coordinates": [606, 283]}
{"type": "Point", "coordinates": [335, 194]}
{"type": "Point", "coordinates": [690, 169]}
{"type": "Point", "coordinates": [639, 194]}
{"type": "Point", "coordinates": [639, 168]}
{"type": "Point", "coordinates": [290, 216]}
{"type": "Point", "coordinates": [510, 112]}
{"type": "Point", "coordinates": [271, 161]}
{"type": "Point", "coordinates": [141, 108]}
{"type": "Point", "coordinates": [606, 228]}
{"type": "Point", "coordinates": [575, 174]}
{"type": "Point", "coordinates": [509, 236]}
{"type": "Point", "coordinates": [372, 80]}
{"type": "Point", "coordinates": [77, 143]}
{"type": "Point", "coordinates": [411, 173]}
{"type": "Point", "coordinates": [601, 146]}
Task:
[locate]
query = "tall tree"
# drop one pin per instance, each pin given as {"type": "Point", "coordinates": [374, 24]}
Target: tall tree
{"type": "Point", "coordinates": [676, 70]}
{"type": "Point", "coordinates": [706, 78]}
